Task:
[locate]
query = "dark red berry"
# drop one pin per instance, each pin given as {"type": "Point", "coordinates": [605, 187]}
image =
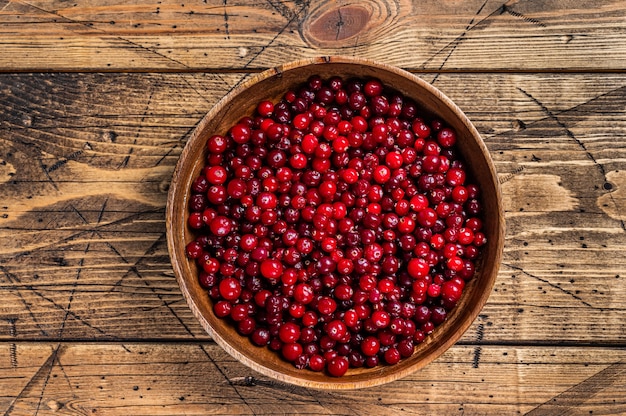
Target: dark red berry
{"type": "Point", "coordinates": [271, 269]}
{"type": "Point", "coordinates": [337, 367]}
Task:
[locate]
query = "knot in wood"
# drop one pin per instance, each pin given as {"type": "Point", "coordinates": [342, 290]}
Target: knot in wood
{"type": "Point", "coordinates": [346, 23]}
{"type": "Point", "coordinates": [338, 24]}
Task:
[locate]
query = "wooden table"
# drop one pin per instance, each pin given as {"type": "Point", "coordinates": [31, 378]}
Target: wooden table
{"type": "Point", "coordinates": [97, 99]}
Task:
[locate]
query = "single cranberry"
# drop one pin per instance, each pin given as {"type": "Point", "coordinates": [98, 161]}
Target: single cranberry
{"type": "Point", "coordinates": [240, 133]}
{"type": "Point", "coordinates": [317, 362]}
{"type": "Point", "coordinates": [392, 356]}
{"type": "Point", "coordinates": [260, 337]}
{"type": "Point", "coordinates": [221, 226]}
{"type": "Point", "coordinates": [370, 346]}
{"type": "Point", "coordinates": [222, 308]}
{"type": "Point", "coordinates": [382, 174]}
{"type": "Point", "coordinates": [271, 269]}
{"type": "Point", "coordinates": [291, 351]}
{"type": "Point", "coordinates": [337, 366]}
{"type": "Point", "coordinates": [217, 144]}
{"type": "Point", "coordinates": [230, 289]}
{"type": "Point", "coordinates": [420, 128]}
{"type": "Point", "coordinates": [336, 330]}
{"type": "Point", "coordinates": [289, 332]}
{"type": "Point", "coordinates": [381, 319]}
{"type": "Point", "coordinates": [418, 268]}
{"type": "Point", "coordinates": [446, 137]}
{"type": "Point", "coordinates": [326, 305]}
{"type": "Point", "coordinates": [373, 88]}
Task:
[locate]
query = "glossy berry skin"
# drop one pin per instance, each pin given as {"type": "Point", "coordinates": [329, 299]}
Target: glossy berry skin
{"type": "Point", "coordinates": [289, 332]}
{"type": "Point", "coordinates": [370, 346]}
{"type": "Point", "coordinates": [230, 289]}
{"type": "Point", "coordinates": [217, 144]}
{"type": "Point", "coordinates": [418, 268]}
{"type": "Point", "coordinates": [337, 367]}
{"type": "Point", "coordinates": [271, 269]}
{"type": "Point", "coordinates": [291, 351]}
{"type": "Point", "coordinates": [336, 330]}
{"type": "Point", "coordinates": [451, 291]}
{"type": "Point", "coordinates": [336, 226]}
{"type": "Point", "coordinates": [382, 174]}
{"type": "Point", "coordinates": [446, 137]}
{"type": "Point", "coordinates": [220, 226]}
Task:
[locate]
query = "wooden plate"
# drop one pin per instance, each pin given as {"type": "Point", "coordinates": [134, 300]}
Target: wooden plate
{"type": "Point", "coordinates": [272, 84]}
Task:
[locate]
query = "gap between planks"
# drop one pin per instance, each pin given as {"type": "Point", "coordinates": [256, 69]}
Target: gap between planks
{"type": "Point", "coordinates": [157, 70]}
{"type": "Point", "coordinates": [204, 341]}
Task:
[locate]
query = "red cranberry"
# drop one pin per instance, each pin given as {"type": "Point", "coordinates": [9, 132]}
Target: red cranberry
{"type": "Point", "coordinates": [338, 366]}
{"type": "Point", "coordinates": [230, 289]}
{"type": "Point", "coordinates": [291, 351]}
{"type": "Point", "coordinates": [271, 269]}
{"type": "Point", "coordinates": [217, 144]}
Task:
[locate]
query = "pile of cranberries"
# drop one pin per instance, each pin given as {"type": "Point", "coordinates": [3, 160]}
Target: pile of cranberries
{"type": "Point", "coordinates": [336, 226]}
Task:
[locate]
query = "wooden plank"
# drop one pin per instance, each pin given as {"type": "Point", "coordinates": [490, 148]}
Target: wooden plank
{"type": "Point", "coordinates": [429, 35]}
{"type": "Point", "coordinates": [86, 160]}
{"type": "Point", "coordinates": [157, 379]}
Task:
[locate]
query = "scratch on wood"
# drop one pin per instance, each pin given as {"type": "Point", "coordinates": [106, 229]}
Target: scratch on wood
{"type": "Point", "coordinates": [122, 221]}
{"type": "Point", "coordinates": [134, 270]}
{"type": "Point", "coordinates": [280, 32]}
{"type": "Point", "coordinates": [340, 23]}
{"type": "Point", "coordinates": [476, 359]}
{"type": "Point", "coordinates": [12, 346]}
{"type": "Point", "coordinates": [127, 158]}
{"type": "Point", "coordinates": [89, 27]}
{"type": "Point", "coordinates": [284, 11]}
{"type": "Point", "coordinates": [580, 144]}
{"type": "Point", "coordinates": [355, 46]}
{"type": "Point", "coordinates": [228, 380]}
{"type": "Point", "coordinates": [202, 96]}
{"type": "Point", "coordinates": [480, 331]}
{"type": "Point", "coordinates": [552, 285]}
{"type": "Point", "coordinates": [102, 210]}
{"type": "Point", "coordinates": [64, 161]}
{"type": "Point", "coordinates": [571, 135]}
{"type": "Point", "coordinates": [80, 215]}
{"type": "Point", "coordinates": [143, 118]}
{"type": "Point", "coordinates": [457, 41]}
{"type": "Point", "coordinates": [45, 367]}
{"type": "Point", "coordinates": [508, 176]}
{"type": "Point", "coordinates": [12, 279]}
{"type": "Point", "coordinates": [251, 381]}
{"type": "Point", "coordinates": [48, 177]}
{"type": "Point", "coordinates": [569, 400]}
{"type": "Point", "coordinates": [97, 232]}
{"type": "Point", "coordinates": [73, 292]}
{"type": "Point", "coordinates": [69, 312]}
{"type": "Point", "coordinates": [226, 20]}
{"type": "Point", "coordinates": [165, 155]}
{"type": "Point", "coordinates": [65, 376]}
{"type": "Point", "coordinates": [507, 9]}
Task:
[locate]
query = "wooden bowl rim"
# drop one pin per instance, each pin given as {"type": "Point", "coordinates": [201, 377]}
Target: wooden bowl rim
{"type": "Point", "coordinates": [330, 383]}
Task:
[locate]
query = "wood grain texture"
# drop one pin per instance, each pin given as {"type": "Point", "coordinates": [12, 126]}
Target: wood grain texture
{"type": "Point", "coordinates": [98, 97]}
{"type": "Point", "coordinates": [153, 379]}
{"type": "Point", "coordinates": [87, 158]}
{"type": "Point", "coordinates": [196, 35]}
